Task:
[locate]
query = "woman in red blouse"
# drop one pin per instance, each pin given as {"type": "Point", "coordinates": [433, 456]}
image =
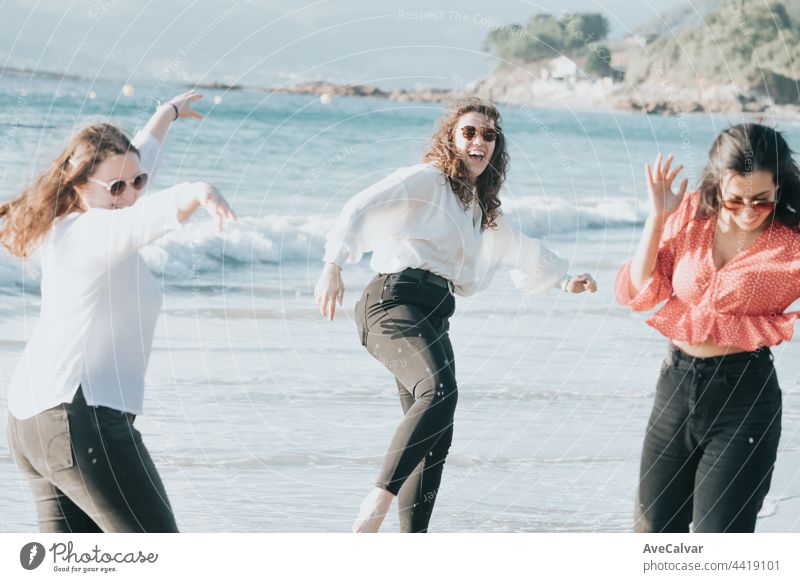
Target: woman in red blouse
{"type": "Point", "coordinates": [726, 260]}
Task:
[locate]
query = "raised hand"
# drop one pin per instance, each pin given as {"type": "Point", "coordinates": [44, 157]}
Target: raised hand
{"type": "Point", "coordinates": [185, 102]}
{"type": "Point", "coordinates": [663, 201]}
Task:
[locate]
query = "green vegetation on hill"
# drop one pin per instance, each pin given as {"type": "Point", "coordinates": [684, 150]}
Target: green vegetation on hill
{"type": "Point", "coordinates": [755, 45]}
{"type": "Point", "coordinates": [688, 14]}
{"type": "Point", "coordinates": [546, 37]}
{"type": "Point", "coordinates": [673, 20]}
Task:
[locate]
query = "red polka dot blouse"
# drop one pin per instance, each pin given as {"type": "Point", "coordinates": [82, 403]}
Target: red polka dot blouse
{"type": "Point", "coordinates": [741, 304]}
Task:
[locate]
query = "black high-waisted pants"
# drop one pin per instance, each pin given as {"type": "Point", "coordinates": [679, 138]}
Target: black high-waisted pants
{"type": "Point", "coordinates": [89, 470]}
{"type": "Point", "coordinates": [403, 322]}
{"type": "Point", "coordinates": [711, 443]}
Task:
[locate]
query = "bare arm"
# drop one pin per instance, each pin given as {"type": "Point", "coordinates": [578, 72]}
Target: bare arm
{"type": "Point", "coordinates": [644, 259]}
{"type": "Point", "coordinates": [158, 125]}
{"type": "Point", "coordinates": [206, 195]}
{"type": "Point", "coordinates": [663, 202]}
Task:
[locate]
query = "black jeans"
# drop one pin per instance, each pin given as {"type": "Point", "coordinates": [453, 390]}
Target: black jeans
{"type": "Point", "coordinates": [711, 443]}
{"type": "Point", "coordinates": [89, 470]}
{"type": "Point", "coordinates": [403, 323]}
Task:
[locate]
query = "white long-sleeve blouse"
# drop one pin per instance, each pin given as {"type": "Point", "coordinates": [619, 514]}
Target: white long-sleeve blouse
{"type": "Point", "coordinates": [99, 304]}
{"type": "Point", "coordinates": [413, 219]}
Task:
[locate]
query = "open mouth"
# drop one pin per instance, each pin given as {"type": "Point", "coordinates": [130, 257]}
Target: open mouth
{"type": "Point", "coordinates": [476, 155]}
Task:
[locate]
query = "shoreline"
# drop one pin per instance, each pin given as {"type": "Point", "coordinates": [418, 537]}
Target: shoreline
{"type": "Point", "coordinates": [503, 88]}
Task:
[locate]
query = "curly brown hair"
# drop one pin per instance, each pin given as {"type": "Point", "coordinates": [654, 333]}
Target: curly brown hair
{"type": "Point", "coordinates": [751, 147]}
{"type": "Point", "coordinates": [444, 155]}
{"type": "Point", "coordinates": [30, 215]}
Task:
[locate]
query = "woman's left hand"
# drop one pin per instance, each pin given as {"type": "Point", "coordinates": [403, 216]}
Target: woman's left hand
{"type": "Point", "coordinates": [216, 206]}
{"type": "Point", "coordinates": [581, 283]}
{"type": "Point", "coordinates": [184, 102]}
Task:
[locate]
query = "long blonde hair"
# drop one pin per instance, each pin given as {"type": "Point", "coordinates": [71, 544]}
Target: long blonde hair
{"type": "Point", "coordinates": [30, 215]}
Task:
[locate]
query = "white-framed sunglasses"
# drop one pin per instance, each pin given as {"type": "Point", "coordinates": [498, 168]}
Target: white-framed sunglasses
{"type": "Point", "coordinates": [118, 187]}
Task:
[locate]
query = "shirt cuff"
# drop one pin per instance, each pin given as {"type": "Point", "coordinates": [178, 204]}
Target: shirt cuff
{"type": "Point", "coordinates": [646, 298]}
{"type": "Point", "coordinates": [337, 254]}
{"type": "Point", "coordinates": [548, 274]}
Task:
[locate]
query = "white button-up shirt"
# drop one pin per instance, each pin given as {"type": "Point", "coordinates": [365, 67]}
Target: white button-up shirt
{"type": "Point", "coordinates": [100, 304]}
{"type": "Point", "coordinates": [413, 219]}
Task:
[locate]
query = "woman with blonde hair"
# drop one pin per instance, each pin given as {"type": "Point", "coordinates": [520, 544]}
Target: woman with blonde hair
{"type": "Point", "coordinates": [435, 230]}
{"type": "Point", "coordinates": [75, 393]}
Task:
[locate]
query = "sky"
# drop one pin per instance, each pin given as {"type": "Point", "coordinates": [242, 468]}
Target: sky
{"type": "Point", "coordinates": [389, 43]}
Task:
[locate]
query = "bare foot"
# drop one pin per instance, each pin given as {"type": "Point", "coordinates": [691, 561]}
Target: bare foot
{"type": "Point", "coordinates": [373, 509]}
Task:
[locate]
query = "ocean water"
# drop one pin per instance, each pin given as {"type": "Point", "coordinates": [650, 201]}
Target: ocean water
{"type": "Point", "coordinates": [262, 416]}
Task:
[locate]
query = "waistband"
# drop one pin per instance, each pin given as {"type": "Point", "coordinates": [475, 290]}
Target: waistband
{"type": "Point", "coordinates": [425, 277]}
{"type": "Point", "coordinates": [80, 401]}
{"type": "Point", "coordinates": [677, 357]}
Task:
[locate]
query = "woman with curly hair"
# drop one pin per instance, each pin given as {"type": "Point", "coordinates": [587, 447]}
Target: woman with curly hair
{"type": "Point", "coordinates": [434, 229]}
{"type": "Point", "coordinates": [726, 261]}
{"type": "Point", "coordinates": [79, 385]}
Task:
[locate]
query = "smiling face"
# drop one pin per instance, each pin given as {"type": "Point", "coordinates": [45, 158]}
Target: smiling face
{"type": "Point", "coordinates": [476, 152]}
{"type": "Point", "coordinates": [748, 188]}
{"type": "Point", "coordinates": [116, 167]}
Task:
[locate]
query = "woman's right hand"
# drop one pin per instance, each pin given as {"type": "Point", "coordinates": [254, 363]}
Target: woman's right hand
{"type": "Point", "coordinates": [663, 201]}
{"type": "Point", "coordinates": [329, 290]}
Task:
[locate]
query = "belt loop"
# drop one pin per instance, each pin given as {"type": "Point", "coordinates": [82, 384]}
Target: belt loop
{"type": "Point", "coordinates": [425, 275]}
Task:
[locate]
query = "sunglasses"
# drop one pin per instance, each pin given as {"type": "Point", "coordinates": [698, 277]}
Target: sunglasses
{"type": "Point", "coordinates": [118, 187]}
{"type": "Point", "coordinates": [758, 205]}
{"type": "Point", "coordinates": [487, 133]}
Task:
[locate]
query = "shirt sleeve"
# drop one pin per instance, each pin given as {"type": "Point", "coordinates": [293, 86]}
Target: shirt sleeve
{"type": "Point", "coordinates": [376, 213]}
{"type": "Point", "coordinates": [101, 238]}
{"type": "Point", "coordinates": [533, 267]}
{"type": "Point", "coordinates": [659, 287]}
{"type": "Point", "coordinates": [149, 149]}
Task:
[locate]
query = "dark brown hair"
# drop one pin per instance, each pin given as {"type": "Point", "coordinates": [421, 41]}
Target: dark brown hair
{"type": "Point", "coordinates": [443, 153]}
{"type": "Point", "coordinates": [746, 148]}
{"type": "Point", "coordinates": [30, 215]}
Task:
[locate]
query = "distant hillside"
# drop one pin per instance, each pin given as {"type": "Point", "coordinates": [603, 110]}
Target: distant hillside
{"type": "Point", "coordinates": [689, 13]}
{"type": "Point", "coordinates": [577, 36]}
{"type": "Point", "coordinates": [751, 46]}
{"type": "Point", "coordinates": [702, 55]}
{"type": "Point", "coordinates": [685, 15]}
